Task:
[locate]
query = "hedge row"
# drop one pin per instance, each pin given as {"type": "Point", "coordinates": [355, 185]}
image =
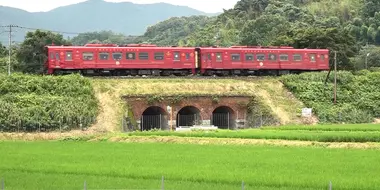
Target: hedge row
{"type": "Point", "coordinates": [358, 95]}
{"type": "Point", "coordinates": [32, 103]}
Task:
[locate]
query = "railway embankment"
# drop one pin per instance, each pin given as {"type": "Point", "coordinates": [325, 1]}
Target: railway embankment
{"type": "Point", "coordinates": [268, 92]}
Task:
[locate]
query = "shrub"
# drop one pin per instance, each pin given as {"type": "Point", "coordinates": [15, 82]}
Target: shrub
{"type": "Point", "coordinates": [357, 95]}
{"type": "Point", "coordinates": [31, 103]}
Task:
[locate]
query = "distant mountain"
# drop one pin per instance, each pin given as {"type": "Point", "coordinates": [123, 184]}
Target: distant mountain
{"type": "Point", "coordinates": [94, 15]}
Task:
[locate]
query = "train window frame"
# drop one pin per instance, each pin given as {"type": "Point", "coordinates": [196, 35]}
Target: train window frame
{"type": "Point", "coordinates": [177, 56]}
{"type": "Point", "coordinates": [128, 57]}
{"type": "Point", "coordinates": [87, 54]}
{"type": "Point", "coordinates": [297, 54]}
{"type": "Point", "coordinates": [283, 55]}
{"type": "Point", "coordinates": [259, 55]}
{"type": "Point", "coordinates": [57, 57]}
{"type": "Point", "coordinates": [218, 57]}
{"type": "Point", "coordinates": [68, 55]}
{"type": "Point", "coordinates": [235, 55]}
{"type": "Point", "coordinates": [272, 57]}
{"type": "Point", "coordinates": [143, 56]}
{"type": "Point", "coordinates": [187, 56]}
{"type": "Point", "coordinates": [159, 56]}
{"type": "Point", "coordinates": [104, 53]}
{"type": "Point", "coordinates": [251, 55]}
{"type": "Point", "coordinates": [313, 55]}
{"type": "Point", "coordinates": [52, 56]}
{"type": "Point", "coordinates": [117, 53]}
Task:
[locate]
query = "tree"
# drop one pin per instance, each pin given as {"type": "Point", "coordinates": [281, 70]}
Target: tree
{"type": "Point", "coordinates": [104, 37]}
{"type": "Point", "coordinates": [32, 53]}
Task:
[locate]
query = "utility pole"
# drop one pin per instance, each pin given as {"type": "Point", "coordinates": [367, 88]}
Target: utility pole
{"type": "Point", "coordinates": [10, 49]}
{"type": "Point", "coordinates": [335, 78]}
{"type": "Point", "coordinates": [9, 45]}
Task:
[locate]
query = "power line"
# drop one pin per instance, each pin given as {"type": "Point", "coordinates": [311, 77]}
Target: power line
{"type": "Point", "coordinates": [55, 31]}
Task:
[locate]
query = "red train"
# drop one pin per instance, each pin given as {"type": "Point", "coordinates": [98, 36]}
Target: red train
{"type": "Point", "coordinates": [136, 59]}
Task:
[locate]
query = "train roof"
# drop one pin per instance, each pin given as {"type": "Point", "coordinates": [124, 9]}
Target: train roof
{"type": "Point", "coordinates": [117, 47]}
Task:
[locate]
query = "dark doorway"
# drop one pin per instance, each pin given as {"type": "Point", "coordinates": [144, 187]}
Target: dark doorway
{"type": "Point", "coordinates": [154, 118]}
{"type": "Point", "coordinates": [188, 117]}
{"type": "Point", "coordinates": [224, 118]}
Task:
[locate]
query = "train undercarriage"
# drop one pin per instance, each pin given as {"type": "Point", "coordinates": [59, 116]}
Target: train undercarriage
{"type": "Point", "coordinates": [178, 72]}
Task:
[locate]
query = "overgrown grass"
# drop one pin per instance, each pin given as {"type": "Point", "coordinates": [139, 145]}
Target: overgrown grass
{"type": "Point", "coordinates": [31, 102]}
{"type": "Point", "coordinates": [66, 165]}
{"type": "Point", "coordinates": [357, 95]}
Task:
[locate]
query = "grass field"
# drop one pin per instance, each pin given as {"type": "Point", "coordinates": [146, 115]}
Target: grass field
{"type": "Point", "coordinates": [319, 133]}
{"type": "Point", "coordinates": [104, 165]}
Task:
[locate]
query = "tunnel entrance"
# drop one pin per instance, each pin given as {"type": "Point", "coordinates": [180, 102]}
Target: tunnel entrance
{"type": "Point", "coordinates": [224, 118]}
{"type": "Point", "coordinates": [188, 117]}
{"type": "Point", "coordinates": [154, 118]}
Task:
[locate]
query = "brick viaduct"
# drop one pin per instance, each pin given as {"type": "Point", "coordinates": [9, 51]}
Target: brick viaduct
{"type": "Point", "coordinates": [157, 112]}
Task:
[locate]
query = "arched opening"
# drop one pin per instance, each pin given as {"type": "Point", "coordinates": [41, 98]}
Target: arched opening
{"type": "Point", "coordinates": [224, 118]}
{"type": "Point", "coordinates": [154, 118]}
{"type": "Point", "coordinates": [188, 117]}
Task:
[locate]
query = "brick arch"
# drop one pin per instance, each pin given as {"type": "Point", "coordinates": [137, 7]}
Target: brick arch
{"type": "Point", "coordinates": [191, 115]}
{"type": "Point", "coordinates": [154, 117]}
{"type": "Point", "coordinates": [224, 117]}
{"type": "Point", "coordinates": [230, 108]}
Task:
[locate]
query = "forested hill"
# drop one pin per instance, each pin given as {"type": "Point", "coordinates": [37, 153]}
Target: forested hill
{"type": "Point", "coordinates": [95, 15]}
{"type": "Point", "coordinates": [344, 26]}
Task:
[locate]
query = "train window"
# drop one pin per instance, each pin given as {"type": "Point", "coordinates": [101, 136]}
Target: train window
{"type": "Point", "coordinates": [284, 57]}
{"type": "Point", "coordinates": [312, 57]}
{"type": "Point", "coordinates": [176, 56]}
{"type": "Point", "coordinates": [209, 56]}
{"type": "Point", "coordinates": [260, 57]}
{"type": "Point", "coordinates": [51, 55]}
{"type": "Point", "coordinates": [272, 57]}
{"type": "Point", "coordinates": [249, 57]}
{"type": "Point", "coordinates": [131, 56]}
{"type": "Point", "coordinates": [104, 56]}
{"type": "Point", "coordinates": [69, 56]}
{"type": "Point", "coordinates": [143, 56]}
{"type": "Point", "coordinates": [117, 56]}
{"type": "Point", "coordinates": [159, 56]}
{"type": "Point", "coordinates": [297, 57]}
{"type": "Point", "coordinates": [57, 56]}
{"type": "Point", "coordinates": [219, 57]}
{"type": "Point", "coordinates": [88, 56]}
{"type": "Point", "coordinates": [322, 57]}
{"type": "Point", "coordinates": [187, 56]}
{"type": "Point", "coordinates": [235, 57]}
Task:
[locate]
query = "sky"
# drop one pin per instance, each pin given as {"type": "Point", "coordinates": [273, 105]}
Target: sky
{"type": "Point", "coordinates": [208, 6]}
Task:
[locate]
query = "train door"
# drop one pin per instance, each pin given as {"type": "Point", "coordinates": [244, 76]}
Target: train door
{"type": "Point", "coordinates": [313, 61]}
{"type": "Point", "coordinates": [68, 57]}
{"type": "Point", "coordinates": [206, 60]}
{"type": "Point", "coordinates": [323, 61]}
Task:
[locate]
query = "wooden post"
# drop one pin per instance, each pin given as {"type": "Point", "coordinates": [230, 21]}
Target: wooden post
{"type": "Point", "coordinates": [162, 183]}
{"type": "Point", "coordinates": [335, 85]}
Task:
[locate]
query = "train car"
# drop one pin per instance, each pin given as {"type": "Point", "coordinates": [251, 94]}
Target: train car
{"type": "Point", "coordinates": [256, 60]}
{"type": "Point", "coordinates": [133, 59]}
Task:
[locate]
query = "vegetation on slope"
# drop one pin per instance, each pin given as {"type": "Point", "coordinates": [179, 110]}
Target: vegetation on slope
{"type": "Point", "coordinates": [31, 103]}
{"type": "Point", "coordinates": [357, 95]}
{"type": "Point", "coordinates": [269, 92]}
